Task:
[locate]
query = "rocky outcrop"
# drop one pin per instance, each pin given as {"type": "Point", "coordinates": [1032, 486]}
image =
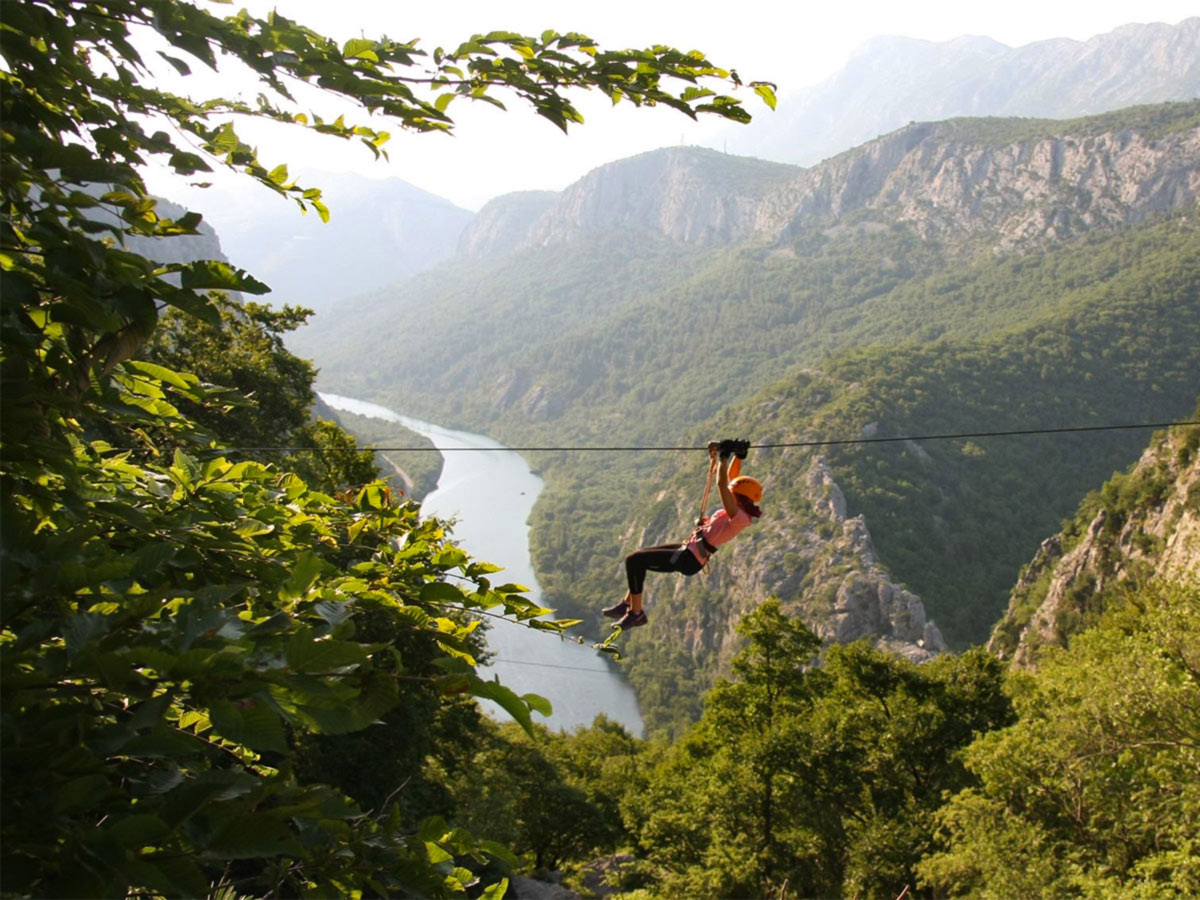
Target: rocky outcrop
{"type": "Point", "coordinates": [864, 601]}
{"type": "Point", "coordinates": [950, 180]}
{"type": "Point", "coordinates": [504, 224]}
{"type": "Point", "coordinates": [1146, 529]}
{"type": "Point", "coordinates": [686, 194]}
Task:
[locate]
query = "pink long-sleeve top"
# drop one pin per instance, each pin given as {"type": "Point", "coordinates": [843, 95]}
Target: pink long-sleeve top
{"type": "Point", "coordinates": [719, 528]}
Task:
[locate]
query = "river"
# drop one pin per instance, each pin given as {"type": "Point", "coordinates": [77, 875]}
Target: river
{"type": "Point", "coordinates": [490, 496]}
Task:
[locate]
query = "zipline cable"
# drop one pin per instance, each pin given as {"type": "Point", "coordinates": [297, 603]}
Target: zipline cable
{"type": "Point", "coordinates": [541, 665]}
{"type": "Point", "coordinates": [1019, 432]}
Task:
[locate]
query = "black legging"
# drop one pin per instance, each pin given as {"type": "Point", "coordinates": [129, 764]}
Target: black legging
{"type": "Point", "coordinates": [658, 559]}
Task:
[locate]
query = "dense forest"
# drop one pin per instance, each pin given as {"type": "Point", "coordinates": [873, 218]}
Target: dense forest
{"type": "Point", "coordinates": [237, 662]}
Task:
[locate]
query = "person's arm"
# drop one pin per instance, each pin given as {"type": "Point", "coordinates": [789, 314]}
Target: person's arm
{"type": "Point", "coordinates": [727, 499]}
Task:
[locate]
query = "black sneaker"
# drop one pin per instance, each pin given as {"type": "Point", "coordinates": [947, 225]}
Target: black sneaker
{"type": "Point", "coordinates": [617, 610]}
{"type": "Point", "coordinates": [632, 620]}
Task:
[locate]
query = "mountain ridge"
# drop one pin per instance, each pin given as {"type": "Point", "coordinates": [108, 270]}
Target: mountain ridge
{"type": "Point", "coordinates": [949, 177]}
{"type": "Point", "coordinates": [891, 81]}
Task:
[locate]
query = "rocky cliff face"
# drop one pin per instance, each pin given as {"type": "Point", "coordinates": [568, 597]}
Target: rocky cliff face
{"type": "Point", "coordinates": [504, 224]}
{"type": "Point", "coordinates": [684, 193]}
{"type": "Point", "coordinates": [955, 180]}
{"type": "Point", "coordinates": [820, 563]}
{"type": "Point", "coordinates": [1008, 183]}
{"type": "Point", "coordinates": [1143, 527]}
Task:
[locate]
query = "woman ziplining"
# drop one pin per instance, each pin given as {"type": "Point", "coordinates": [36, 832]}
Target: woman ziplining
{"type": "Point", "coordinates": [740, 496]}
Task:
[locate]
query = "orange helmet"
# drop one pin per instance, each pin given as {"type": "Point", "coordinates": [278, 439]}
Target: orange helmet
{"type": "Point", "coordinates": [747, 487]}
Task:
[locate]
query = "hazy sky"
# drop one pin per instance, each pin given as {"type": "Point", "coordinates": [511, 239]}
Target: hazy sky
{"type": "Point", "coordinates": [795, 44]}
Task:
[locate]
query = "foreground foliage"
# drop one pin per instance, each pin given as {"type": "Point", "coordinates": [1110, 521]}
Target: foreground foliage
{"type": "Point", "coordinates": [169, 634]}
{"type": "Point", "coordinates": [1094, 791]}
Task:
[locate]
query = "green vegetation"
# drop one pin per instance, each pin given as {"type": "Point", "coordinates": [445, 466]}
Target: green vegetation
{"type": "Point", "coordinates": [1155, 121]}
{"type": "Point", "coordinates": [655, 340]}
{"type": "Point", "coordinates": [244, 350]}
{"type": "Point", "coordinates": [859, 774]}
{"type": "Point", "coordinates": [1092, 792]}
{"type": "Point", "coordinates": [812, 781]}
{"type": "Point", "coordinates": [1113, 321]}
{"type": "Point", "coordinates": [228, 676]}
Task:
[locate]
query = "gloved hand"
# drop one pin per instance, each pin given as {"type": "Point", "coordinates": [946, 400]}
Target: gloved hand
{"type": "Point", "coordinates": [741, 448]}
{"type": "Point", "coordinates": [726, 448]}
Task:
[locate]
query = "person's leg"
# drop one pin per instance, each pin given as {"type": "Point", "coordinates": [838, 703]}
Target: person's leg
{"type": "Point", "coordinates": [648, 559]}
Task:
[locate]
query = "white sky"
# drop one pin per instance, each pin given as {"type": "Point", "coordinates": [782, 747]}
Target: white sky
{"type": "Point", "coordinates": [794, 44]}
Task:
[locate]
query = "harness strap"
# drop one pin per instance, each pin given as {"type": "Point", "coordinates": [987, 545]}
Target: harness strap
{"type": "Point", "coordinates": [712, 470]}
{"type": "Point", "coordinates": [709, 548]}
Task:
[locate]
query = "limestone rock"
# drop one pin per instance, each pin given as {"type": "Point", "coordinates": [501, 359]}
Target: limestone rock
{"type": "Point", "coordinates": [820, 563]}
{"type": "Point", "coordinates": [504, 224]}
{"type": "Point", "coordinates": [1159, 539]}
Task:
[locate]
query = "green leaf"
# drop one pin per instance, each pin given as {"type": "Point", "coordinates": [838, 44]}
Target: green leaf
{"type": "Point", "coordinates": [304, 654]}
{"type": "Point", "coordinates": [138, 830]}
{"type": "Point", "coordinates": [501, 852]}
{"type": "Point", "coordinates": [437, 854]}
{"type": "Point", "coordinates": [186, 469]}
{"type": "Point", "coordinates": [252, 835]}
{"type": "Point", "coordinates": [180, 66]}
{"type": "Point", "coordinates": [162, 373]}
{"type": "Point", "coordinates": [539, 704]}
{"type": "Point", "coordinates": [766, 90]}
{"type": "Point", "coordinates": [83, 628]}
{"type": "Point", "coordinates": [212, 274]}
{"type": "Point", "coordinates": [507, 700]}
{"type": "Point", "coordinates": [360, 48]}
{"type": "Point", "coordinates": [307, 570]}
{"type": "Point", "coordinates": [495, 891]}
{"type": "Point", "coordinates": [439, 593]}
{"type": "Point", "coordinates": [249, 722]}
{"type": "Point", "coordinates": [80, 793]}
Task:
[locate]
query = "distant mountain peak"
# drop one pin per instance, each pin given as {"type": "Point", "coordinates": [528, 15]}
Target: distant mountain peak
{"type": "Point", "coordinates": [893, 80]}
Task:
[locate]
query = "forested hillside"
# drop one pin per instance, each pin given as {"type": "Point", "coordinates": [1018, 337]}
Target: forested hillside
{"type": "Point", "coordinates": [618, 321]}
{"type": "Point", "coordinates": [951, 520]}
